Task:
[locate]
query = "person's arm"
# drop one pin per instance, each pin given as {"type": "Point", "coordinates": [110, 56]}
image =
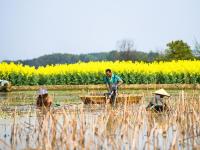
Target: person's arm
{"type": "Point", "coordinates": [108, 87]}
{"type": "Point", "coordinates": [50, 100]}
{"type": "Point", "coordinates": [116, 85]}
{"type": "Point", "coordinates": [120, 81]}
{"type": "Point", "coordinates": [107, 84]}
{"type": "Point", "coordinates": [37, 102]}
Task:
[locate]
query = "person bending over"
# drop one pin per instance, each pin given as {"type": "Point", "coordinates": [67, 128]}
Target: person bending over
{"type": "Point", "coordinates": [112, 82]}
{"type": "Point", "coordinates": [43, 99]}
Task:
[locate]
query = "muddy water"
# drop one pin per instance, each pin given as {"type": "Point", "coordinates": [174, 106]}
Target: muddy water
{"type": "Point", "coordinates": [18, 115]}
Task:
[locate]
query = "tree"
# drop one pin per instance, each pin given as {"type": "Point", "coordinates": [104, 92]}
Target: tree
{"type": "Point", "coordinates": [126, 46]}
{"type": "Point", "coordinates": [113, 55]}
{"type": "Point", "coordinates": [197, 49]}
{"type": "Point", "coordinates": [152, 56]}
{"type": "Point", "coordinates": [178, 50]}
{"type": "Point", "coordinates": [58, 58]}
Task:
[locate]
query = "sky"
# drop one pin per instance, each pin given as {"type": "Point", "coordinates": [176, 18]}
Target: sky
{"type": "Point", "coordinates": [31, 28]}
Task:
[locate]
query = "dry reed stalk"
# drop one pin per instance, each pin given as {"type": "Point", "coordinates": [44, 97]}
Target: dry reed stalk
{"type": "Point", "coordinates": [155, 135]}
{"type": "Point", "coordinates": [13, 132]}
{"type": "Point", "coordinates": [173, 145]}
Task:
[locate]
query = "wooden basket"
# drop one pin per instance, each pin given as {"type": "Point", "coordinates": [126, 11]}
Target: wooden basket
{"type": "Point", "coordinates": [122, 98]}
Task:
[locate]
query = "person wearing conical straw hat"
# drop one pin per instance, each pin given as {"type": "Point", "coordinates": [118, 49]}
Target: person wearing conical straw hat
{"type": "Point", "coordinates": [157, 102]}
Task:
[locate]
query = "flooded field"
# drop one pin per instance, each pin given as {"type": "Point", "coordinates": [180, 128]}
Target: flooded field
{"type": "Point", "coordinates": [71, 125]}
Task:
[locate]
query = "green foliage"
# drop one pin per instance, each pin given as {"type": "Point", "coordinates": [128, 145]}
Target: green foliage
{"type": "Point", "coordinates": [81, 79]}
{"type": "Point", "coordinates": [178, 50]}
{"type": "Point", "coordinates": [102, 56]}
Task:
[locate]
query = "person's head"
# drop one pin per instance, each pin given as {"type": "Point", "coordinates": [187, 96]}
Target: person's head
{"type": "Point", "coordinates": [108, 72]}
{"type": "Point", "coordinates": [159, 96]}
{"type": "Point", "coordinates": [43, 93]}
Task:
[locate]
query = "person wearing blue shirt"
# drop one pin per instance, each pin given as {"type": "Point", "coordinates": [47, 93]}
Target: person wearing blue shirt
{"type": "Point", "coordinates": [112, 82]}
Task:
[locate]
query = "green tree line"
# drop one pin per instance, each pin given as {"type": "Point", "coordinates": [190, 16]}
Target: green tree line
{"type": "Point", "coordinates": [176, 50]}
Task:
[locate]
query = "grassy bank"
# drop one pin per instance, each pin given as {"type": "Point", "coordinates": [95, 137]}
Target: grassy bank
{"type": "Point", "coordinates": [102, 86]}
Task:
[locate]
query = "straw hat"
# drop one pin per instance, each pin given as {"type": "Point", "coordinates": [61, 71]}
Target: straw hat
{"type": "Point", "coordinates": [161, 92]}
{"type": "Point", "coordinates": [42, 92]}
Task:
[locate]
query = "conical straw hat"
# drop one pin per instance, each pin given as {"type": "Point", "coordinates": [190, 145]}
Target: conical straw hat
{"type": "Point", "coordinates": [161, 92]}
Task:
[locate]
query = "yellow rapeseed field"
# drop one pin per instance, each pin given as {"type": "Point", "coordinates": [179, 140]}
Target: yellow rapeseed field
{"type": "Point", "coordinates": [183, 71]}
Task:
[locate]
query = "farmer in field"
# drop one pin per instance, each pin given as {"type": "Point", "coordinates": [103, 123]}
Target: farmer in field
{"type": "Point", "coordinates": [43, 98]}
{"type": "Point", "coordinates": [5, 85]}
{"type": "Point", "coordinates": [157, 103]}
{"type": "Point", "coordinates": [112, 81]}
